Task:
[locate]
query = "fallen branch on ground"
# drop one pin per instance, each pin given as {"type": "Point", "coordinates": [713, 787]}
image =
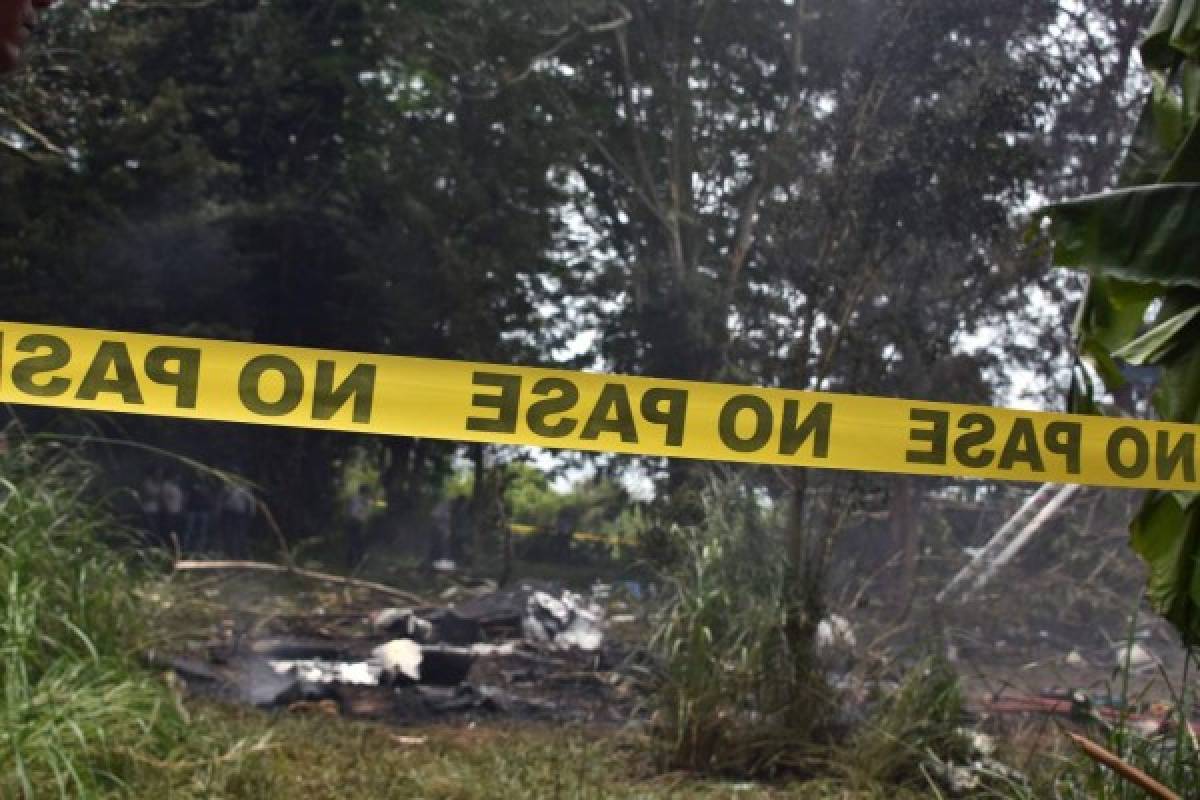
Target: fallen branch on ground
{"type": "Point", "coordinates": [324, 577]}
{"type": "Point", "coordinates": [1126, 771]}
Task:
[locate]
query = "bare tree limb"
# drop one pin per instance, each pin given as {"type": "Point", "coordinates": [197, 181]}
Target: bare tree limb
{"type": "Point", "coordinates": [20, 151]}
{"type": "Point", "coordinates": [670, 221]}
{"type": "Point", "coordinates": [33, 133]}
{"type": "Point", "coordinates": [323, 577]}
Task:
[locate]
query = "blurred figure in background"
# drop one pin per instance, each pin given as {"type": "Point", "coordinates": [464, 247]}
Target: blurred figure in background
{"type": "Point", "coordinates": [462, 530]}
{"type": "Point", "coordinates": [358, 511]}
{"type": "Point", "coordinates": [198, 505]}
{"type": "Point", "coordinates": [172, 510]}
{"type": "Point", "coordinates": [150, 497]}
{"type": "Point", "coordinates": [237, 512]}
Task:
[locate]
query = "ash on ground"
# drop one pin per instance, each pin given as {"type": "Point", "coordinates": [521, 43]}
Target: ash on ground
{"type": "Point", "coordinates": [533, 651]}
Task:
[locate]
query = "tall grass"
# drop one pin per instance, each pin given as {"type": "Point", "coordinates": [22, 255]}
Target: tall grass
{"type": "Point", "coordinates": [77, 715]}
{"type": "Point", "coordinates": [738, 696]}
{"type": "Point", "coordinates": [916, 725]}
{"type": "Point", "coordinates": [734, 696]}
{"type": "Point", "coordinates": [1170, 755]}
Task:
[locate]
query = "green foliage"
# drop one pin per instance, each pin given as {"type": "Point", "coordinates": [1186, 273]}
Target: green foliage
{"type": "Point", "coordinates": [1169, 755]}
{"type": "Point", "coordinates": [365, 759]}
{"type": "Point", "coordinates": [761, 175]}
{"type": "Point", "coordinates": [269, 172]}
{"type": "Point", "coordinates": [598, 506]}
{"type": "Point", "coordinates": [1140, 247]}
{"type": "Point", "coordinates": [1139, 234]}
{"type": "Point", "coordinates": [530, 498]}
{"type": "Point", "coordinates": [734, 694]}
{"type": "Point", "coordinates": [79, 717]}
{"type": "Point", "coordinates": [76, 713]}
{"type": "Point", "coordinates": [922, 715]}
{"type": "Point", "coordinates": [744, 190]}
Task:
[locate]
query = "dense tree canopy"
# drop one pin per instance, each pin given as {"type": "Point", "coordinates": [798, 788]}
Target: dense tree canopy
{"type": "Point", "coordinates": [788, 193]}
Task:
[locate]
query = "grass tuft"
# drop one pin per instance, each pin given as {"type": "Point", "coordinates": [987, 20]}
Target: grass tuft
{"type": "Point", "coordinates": [79, 717]}
{"type": "Point", "coordinates": [733, 697]}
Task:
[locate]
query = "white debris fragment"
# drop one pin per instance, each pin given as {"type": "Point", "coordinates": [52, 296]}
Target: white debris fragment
{"type": "Point", "coordinates": [399, 657]}
{"type": "Point", "coordinates": [401, 620]}
{"type": "Point", "coordinates": [566, 622]}
{"type": "Point", "coordinates": [385, 618]}
{"type": "Point", "coordinates": [981, 743]}
{"type": "Point", "coordinates": [962, 779]}
{"type": "Point", "coordinates": [584, 631]}
{"type": "Point", "coordinates": [482, 649]}
{"type": "Point", "coordinates": [835, 631]}
{"type": "Point", "coordinates": [1075, 659]}
{"type": "Point", "coordinates": [555, 607]}
{"type": "Point", "coordinates": [358, 672]}
{"type": "Point", "coordinates": [318, 670]}
{"type": "Point", "coordinates": [1136, 658]}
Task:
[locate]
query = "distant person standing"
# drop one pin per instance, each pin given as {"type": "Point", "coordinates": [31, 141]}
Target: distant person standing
{"type": "Point", "coordinates": [198, 504]}
{"type": "Point", "coordinates": [461, 530]}
{"type": "Point", "coordinates": [172, 508]}
{"type": "Point", "coordinates": [237, 512]}
{"type": "Point", "coordinates": [150, 498]}
{"type": "Point", "coordinates": [442, 517]}
{"type": "Point", "coordinates": [358, 511]}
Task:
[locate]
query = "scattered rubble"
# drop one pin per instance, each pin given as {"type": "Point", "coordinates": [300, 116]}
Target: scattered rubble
{"type": "Point", "coordinates": [532, 650]}
{"type": "Point", "coordinates": [982, 766]}
{"type": "Point", "coordinates": [1082, 706]}
{"type": "Point", "coordinates": [1136, 657]}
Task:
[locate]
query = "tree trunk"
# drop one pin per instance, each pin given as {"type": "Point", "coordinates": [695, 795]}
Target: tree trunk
{"type": "Point", "coordinates": [478, 506]}
{"type": "Point", "coordinates": [396, 474]}
{"type": "Point", "coordinates": [906, 536]}
{"type": "Point", "coordinates": [803, 606]}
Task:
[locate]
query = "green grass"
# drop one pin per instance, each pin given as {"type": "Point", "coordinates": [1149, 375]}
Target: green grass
{"type": "Point", "coordinates": [79, 717]}
{"type": "Point", "coordinates": [735, 695]}
{"type": "Point", "coordinates": [318, 757]}
{"type": "Point", "coordinates": [74, 711]}
{"type": "Point", "coordinates": [1171, 757]}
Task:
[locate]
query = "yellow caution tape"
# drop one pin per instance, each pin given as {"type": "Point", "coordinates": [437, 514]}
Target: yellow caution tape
{"type": "Point", "coordinates": [521, 529]}
{"type": "Point", "coordinates": [172, 376]}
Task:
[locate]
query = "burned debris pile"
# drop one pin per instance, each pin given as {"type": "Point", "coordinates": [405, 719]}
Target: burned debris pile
{"type": "Point", "coordinates": [532, 651]}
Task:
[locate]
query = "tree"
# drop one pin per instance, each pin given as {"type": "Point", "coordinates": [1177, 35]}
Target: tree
{"type": "Point", "coordinates": [284, 172]}
{"type": "Point", "coordinates": [807, 196]}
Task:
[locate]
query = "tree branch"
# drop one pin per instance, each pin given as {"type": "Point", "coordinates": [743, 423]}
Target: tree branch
{"type": "Point", "coordinates": [324, 577]}
{"type": "Point", "coordinates": [33, 133]}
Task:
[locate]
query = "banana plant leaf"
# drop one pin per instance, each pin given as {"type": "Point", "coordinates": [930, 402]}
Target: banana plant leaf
{"type": "Point", "coordinates": [1143, 234]}
{"type": "Point", "coordinates": [1167, 536]}
{"type": "Point", "coordinates": [1141, 246]}
{"type": "Point", "coordinates": [1114, 310]}
{"type": "Point", "coordinates": [1166, 142]}
{"type": "Point", "coordinates": [1157, 343]}
{"type": "Point", "coordinates": [1177, 397]}
{"type": "Point", "coordinates": [1174, 34]}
